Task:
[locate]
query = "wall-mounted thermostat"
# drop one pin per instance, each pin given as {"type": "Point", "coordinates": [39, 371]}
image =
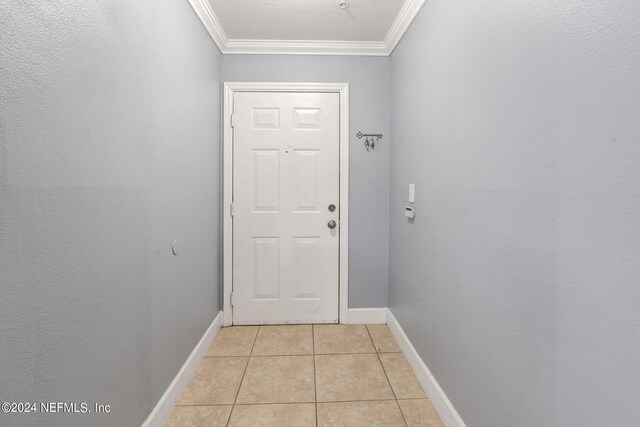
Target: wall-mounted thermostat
{"type": "Point", "coordinates": [410, 211]}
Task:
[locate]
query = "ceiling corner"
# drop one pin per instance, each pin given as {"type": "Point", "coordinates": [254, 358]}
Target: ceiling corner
{"type": "Point", "coordinates": [203, 10]}
{"type": "Point", "coordinates": [401, 24]}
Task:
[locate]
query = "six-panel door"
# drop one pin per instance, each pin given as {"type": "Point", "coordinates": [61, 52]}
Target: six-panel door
{"type": "Point", "coordinates": [285, 176]}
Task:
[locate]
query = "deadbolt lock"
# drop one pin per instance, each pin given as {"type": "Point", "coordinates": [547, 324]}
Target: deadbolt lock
{"type": "Point", "coordinates": [332, 208]}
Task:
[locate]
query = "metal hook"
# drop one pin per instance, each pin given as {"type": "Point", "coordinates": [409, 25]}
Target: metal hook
{"type": "Point", "coordinates": [375, 139]}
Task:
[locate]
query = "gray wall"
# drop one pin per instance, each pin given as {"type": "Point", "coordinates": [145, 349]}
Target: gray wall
{"type": "Point", "coordinates": [369, 172]}
{"type": "Point", "coordinates": [109, 150]}
{"type": "Point", "coordinates": [518, 282]}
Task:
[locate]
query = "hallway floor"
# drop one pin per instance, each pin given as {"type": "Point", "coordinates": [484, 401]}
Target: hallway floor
{"type": "Point", "coordinates": [304, 375]}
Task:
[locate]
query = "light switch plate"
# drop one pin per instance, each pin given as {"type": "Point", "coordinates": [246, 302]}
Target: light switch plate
{"type": "Point", "coordinates": [412, 193]}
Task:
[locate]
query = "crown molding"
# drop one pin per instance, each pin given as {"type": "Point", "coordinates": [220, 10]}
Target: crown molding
{"type": "Point", "coordinates": [304, 47]}
{"type": "Point", "coordinates": [403, 21]}
{"type": "Point", "coordinates": [207, 16]}
{"type": "Point", "coordinates": [400, 25]}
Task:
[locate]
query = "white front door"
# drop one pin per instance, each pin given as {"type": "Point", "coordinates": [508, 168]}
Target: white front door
{"type": "Point", "coordinates": [286, 192]}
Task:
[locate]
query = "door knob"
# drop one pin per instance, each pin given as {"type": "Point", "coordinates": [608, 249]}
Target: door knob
{"type": "Point", "coordinates": [331, 224]}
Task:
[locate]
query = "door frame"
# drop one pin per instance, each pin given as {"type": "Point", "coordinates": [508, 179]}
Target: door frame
{"type": "Point", "coordinates": [230, 88]}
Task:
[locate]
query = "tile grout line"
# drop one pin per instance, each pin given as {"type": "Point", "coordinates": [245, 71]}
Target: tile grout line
{"type": "Point", "coordinates": [347, 401]}
{"type": "Point", "coordinates": [301, 403]}
{"type": "Point", "coordinates": [308, 403]}
{"type": "Point", "coordinates": [243, 374]}
{"type": "Point", "coordinates": [315, 384]}
{"type": "Point", "coordinates": [386, 376]}
{"type": "Point", "coordinates": [306, 354]}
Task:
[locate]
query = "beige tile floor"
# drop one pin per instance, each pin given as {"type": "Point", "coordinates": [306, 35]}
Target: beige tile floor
{"type": "Point", "coordinates": [304, 375]}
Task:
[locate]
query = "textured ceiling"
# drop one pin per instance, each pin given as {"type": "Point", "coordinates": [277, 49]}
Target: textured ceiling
{"type": "Point", "coordinates": [363, 20]}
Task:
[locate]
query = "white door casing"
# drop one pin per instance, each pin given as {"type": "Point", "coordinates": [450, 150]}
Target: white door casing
{"type": "Point", "coordinates": [286, 168]}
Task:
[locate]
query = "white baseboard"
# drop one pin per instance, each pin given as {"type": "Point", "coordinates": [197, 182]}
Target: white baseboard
{"type": "Point", "coordinates": [362, 316]}
{"type": "Point", "coordinates": [440, 401]}
{"type": "Point", "coordinates": [160, 414]}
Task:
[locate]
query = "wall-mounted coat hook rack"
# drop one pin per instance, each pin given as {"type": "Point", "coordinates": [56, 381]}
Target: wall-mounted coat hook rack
{"type": "Point", "coordinates": [370, 145]}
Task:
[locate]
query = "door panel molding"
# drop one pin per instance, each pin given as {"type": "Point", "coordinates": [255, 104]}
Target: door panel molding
{"type": "Point", "coordinates": [306, 122]}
